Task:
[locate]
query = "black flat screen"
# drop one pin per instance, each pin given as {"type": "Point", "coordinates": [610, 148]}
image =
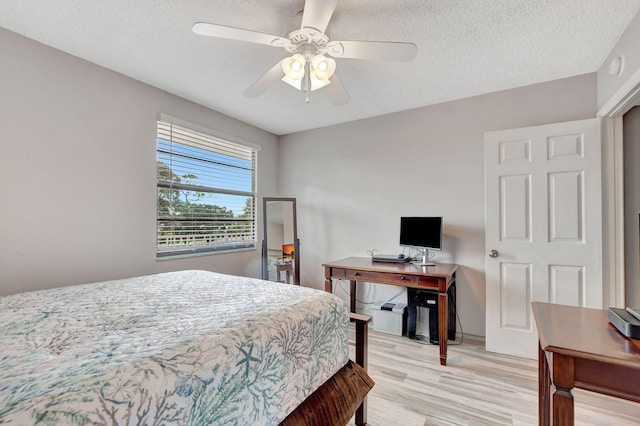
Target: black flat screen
{"type": "Point", "coordinates": [423, 232]}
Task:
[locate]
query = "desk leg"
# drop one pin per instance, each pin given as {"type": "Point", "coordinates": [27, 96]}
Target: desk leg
{"type": "Point", "coordinates": [544, 388]}
{"type": "Point", "coordinates": [563, 379]}
{"type": "Point", "coordinates": [352, 295]}
{"type": "Point", "coordinates": [443, 333]}
{"type": "Point", "coordinates": [328, 285]}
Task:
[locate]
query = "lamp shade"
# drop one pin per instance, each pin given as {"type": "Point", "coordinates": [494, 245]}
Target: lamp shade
{"type": "Point", "coordinates": [293, 66]}
{"type": "Point", "coordinates": [323, 67]}
{"type": "Point", "coordinates": [315, 83]}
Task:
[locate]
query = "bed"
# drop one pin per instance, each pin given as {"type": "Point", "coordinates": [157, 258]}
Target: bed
{"type": "Point", "coordinates": [179, 348]}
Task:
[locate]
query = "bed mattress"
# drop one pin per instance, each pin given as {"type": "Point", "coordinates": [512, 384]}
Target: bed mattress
{"type": "Point", "coordinates": [189, 347]}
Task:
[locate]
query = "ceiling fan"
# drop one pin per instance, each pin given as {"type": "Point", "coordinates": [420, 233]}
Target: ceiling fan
{"type": "Point", "coordinates": [311, 65]}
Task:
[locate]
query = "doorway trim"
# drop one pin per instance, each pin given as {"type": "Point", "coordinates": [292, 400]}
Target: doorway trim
{"type": "Point", "coordinates": [625, 98]}
{"type": "Point", "coordinates": [613, 261]}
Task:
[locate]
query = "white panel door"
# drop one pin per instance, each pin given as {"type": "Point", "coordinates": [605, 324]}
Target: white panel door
{"type": "Point", "coordinates": [543, 227]}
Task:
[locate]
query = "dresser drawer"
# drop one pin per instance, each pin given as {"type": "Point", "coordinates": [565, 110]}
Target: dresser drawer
{"type": "Point", "coordinates": [381, 277]}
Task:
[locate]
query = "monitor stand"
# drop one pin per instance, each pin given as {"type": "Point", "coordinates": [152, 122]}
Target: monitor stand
{"type": "Point", "coordinates": [425, 258]}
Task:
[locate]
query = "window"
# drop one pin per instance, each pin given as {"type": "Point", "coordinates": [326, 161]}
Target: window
{"type": "Point", "coordinates": [206, 192]}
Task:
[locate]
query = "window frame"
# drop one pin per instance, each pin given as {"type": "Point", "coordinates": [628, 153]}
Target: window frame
{"type": "Point", "coordinates": [217, 238]}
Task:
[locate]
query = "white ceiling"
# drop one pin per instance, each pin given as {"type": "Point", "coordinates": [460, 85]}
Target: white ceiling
{"type": "Point", "coordinates": [465, 48]}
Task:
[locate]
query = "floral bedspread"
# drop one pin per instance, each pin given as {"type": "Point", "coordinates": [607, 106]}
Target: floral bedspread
{"type": "Point", "coordinates": [179, 348]}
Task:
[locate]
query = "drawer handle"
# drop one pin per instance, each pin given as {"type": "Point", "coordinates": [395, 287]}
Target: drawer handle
{"type": "Point", "coordinates": [403, 278]}
{"type": "Point", "coordinates": [356, 274]}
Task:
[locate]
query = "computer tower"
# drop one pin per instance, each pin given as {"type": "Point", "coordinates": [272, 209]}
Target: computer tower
{"type": "Point", "coordinates": [429, 299]}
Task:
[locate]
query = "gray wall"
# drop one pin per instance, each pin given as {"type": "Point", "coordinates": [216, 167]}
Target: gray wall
{"type": "Point", "coordinates": [353, 181]}
{"type": "Point", "coordinates": [78, 171]}
{"type": "Point", "coordinates": [617, 85]}
{"type": "Point", "coordinates": [632, 205]}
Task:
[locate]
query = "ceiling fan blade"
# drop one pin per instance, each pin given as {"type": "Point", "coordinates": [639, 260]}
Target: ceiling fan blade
{"type": "Point", "coordinates": [383, 50]}
{"type": "Point", "coordinates": [336, 91]}
{"type": "Point", "coordinates": [317, 13]}
{"type": "Point", "coordinates": [264, 82]}
{"type": "Point", "coordinates": [232, 33]}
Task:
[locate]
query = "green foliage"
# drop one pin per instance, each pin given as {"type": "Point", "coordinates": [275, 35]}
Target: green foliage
{"type": "Point", "coordinates": [167, 198]}
{"type": "Point", "coordinates": [184, 219]}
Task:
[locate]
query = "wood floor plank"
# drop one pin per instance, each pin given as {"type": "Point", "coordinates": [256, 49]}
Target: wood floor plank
{"type": "Point", "coordinates": [476, 387]}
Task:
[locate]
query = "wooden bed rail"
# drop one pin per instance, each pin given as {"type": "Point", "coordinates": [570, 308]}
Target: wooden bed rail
{"type": "Point", "coordinates": [362, 350]}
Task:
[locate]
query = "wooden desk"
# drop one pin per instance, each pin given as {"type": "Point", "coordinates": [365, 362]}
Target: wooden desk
{"type": "Point", "coordinates": [580, 348]}
{"type": "Point", "coordinates": [286, 268]}
{"type": "Point", "coordinates": [438, 278]}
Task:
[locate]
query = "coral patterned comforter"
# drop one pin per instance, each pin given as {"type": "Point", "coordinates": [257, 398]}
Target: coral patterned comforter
{"type": "Point", "coordinates": [179, 348]}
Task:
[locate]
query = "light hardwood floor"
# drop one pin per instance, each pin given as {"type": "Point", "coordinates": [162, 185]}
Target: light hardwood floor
{"type": "Point", "coordinates": [476, 387]}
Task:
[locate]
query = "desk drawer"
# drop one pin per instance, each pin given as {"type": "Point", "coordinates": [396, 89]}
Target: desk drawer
{"type": "Point", "coordinates": [338, 273]}
{"type": "Point", "coordinates": [381, 277]}
{"type": "Point", "coordinates": [429, 282]}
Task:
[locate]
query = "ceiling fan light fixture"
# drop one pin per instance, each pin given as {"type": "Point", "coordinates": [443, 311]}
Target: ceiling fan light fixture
{"type": "Point", "coordinates": [318, 84]}
{"type": "Point", "coordinates": [293, 67]}
{"type": "Point", "coordinates": [320, 70]}
{"type": "Point", "coordinates": [323, 67]}
{"type": "Point", "coordinates": [315, 82]}
{"type": "Point", "coordinates": [308, 68]}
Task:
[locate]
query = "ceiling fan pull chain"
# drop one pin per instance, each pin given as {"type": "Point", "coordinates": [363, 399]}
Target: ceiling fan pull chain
{"type": "Point", "coordinates": [307, 79]}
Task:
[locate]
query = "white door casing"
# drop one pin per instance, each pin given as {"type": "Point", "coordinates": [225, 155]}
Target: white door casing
{"type": "Point", "coordinates": [543, 217]}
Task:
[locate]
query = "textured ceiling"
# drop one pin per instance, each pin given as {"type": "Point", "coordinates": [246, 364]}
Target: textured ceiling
{"type": "Point", "coordinates": [465, 48]}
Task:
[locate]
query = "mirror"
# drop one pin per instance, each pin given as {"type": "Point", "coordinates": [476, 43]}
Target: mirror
{"type": "Point", "coordinates": [280, 254]}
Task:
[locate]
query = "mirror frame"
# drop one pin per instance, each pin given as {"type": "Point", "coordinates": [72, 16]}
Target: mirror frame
{"type": "Point", "coordinates": [296, 241]}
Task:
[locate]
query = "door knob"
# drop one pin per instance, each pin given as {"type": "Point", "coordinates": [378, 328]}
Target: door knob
{"type": "Point", "coordinates": [493, 253]}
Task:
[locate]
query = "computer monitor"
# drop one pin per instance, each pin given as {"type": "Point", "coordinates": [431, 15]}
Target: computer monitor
{"type": "Point", "coordinates": [423, 233]}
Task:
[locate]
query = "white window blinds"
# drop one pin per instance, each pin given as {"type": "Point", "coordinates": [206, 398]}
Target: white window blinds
{"type": "Point", "coordinates": [206, 192]}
